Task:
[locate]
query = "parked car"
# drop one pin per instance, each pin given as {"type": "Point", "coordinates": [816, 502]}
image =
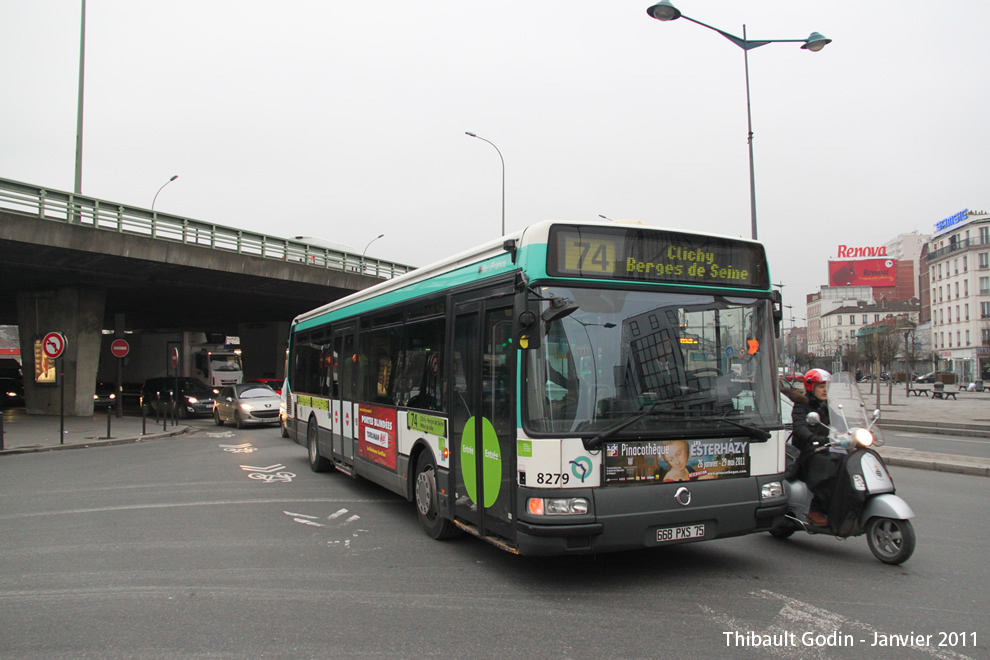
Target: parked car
{"type": "Point", "coordinates": [274, 383]}
{"type": "Point", "coordinates": [937, 377]}
{"type": "Point", "coordinates": [106, 395]}
{"type": "Point", "coordinates": [193, 397]}
{"type": "Point", "coordinates": [247, 403]}
{"type": "Point", "coordinates": [11, 393]}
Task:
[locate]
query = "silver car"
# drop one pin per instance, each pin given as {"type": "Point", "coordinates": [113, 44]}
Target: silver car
{"type": "Point", "coordinates": [246, 403]}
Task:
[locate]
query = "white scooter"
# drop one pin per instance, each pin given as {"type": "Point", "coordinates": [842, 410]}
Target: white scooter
{"type": "Point", "coordinates": [864, 487]}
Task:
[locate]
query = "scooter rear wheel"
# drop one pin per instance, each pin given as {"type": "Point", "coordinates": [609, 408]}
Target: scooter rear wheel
{"type": "Point", "coordinates": [890, 540]}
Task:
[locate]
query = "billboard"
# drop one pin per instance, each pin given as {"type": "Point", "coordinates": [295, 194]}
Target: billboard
{"type": "Point", "coordinates": [863, 272]}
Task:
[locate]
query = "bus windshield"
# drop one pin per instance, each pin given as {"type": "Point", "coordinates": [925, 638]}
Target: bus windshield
{"type": "Point", "coordinates": [690, 360]}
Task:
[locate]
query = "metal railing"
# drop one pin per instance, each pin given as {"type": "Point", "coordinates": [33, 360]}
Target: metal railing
{"type": "Point", "coordinates": [82, 211]}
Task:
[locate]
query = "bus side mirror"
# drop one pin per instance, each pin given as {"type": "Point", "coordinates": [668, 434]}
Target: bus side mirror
{"type": "Point", "coordinates": [778, 312]}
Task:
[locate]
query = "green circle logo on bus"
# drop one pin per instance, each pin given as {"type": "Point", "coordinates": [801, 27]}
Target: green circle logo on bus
{"type": "Point", "coordinates": [491, 462]}
{"type": "Point", "coordinates": [581, 467]}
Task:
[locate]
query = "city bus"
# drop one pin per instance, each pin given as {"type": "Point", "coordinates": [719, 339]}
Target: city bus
{"type": "Point", "coordinates": [569, 388]}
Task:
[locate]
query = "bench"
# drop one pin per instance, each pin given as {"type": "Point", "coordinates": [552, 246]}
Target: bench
{"type": "Point", "coordinates": [918, 391]}
{"type": "Point", "coordinates": [941, 393]}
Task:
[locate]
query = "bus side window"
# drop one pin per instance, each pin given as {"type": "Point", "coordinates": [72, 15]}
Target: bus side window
{"type": "Point", "coordinates": [419, 378]}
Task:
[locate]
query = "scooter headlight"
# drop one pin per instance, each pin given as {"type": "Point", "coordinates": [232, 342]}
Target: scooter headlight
{"type": "Point", "coordinates": [863, 437]}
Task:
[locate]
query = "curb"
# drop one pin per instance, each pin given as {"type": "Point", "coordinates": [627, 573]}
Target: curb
{"type": "Point", "coordinates": [924, 460]}
{"type": "Point", "coordinates": [96, 442]}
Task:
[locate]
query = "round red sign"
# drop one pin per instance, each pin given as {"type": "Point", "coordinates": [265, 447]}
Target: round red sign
{"type": "Point", "coordinates": [119, 348]}
{"type": "Point", "coordinates": [174, 356]}
{"type": "Point", "coordinates": [53, 345]}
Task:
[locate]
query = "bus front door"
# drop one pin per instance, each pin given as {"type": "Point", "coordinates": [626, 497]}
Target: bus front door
{"type": "Point", "coordinates": [483, 426]}
{"type": "Point", "coordinates": [343, 394]}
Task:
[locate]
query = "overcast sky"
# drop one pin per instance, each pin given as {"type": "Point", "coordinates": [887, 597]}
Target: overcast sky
{"type": "Point", "coordinates": [345, 120]}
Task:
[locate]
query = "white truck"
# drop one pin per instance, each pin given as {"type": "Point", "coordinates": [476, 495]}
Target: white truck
{"type": "Point", "coordinates": [217, 364]}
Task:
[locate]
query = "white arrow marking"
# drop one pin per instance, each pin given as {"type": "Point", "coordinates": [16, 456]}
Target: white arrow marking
{"type": "Point", "coordinates": [270, 468]}
{"type": "Point", "coordinates": [299, 515]}
{"type": "Point", "coordinates": [338, 514]}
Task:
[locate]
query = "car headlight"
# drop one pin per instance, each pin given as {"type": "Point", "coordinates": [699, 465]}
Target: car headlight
{"type": "Point", "coordinates": [247, 406]}
{"type": "Point", "coordinates": [192, 399]}
{"type": "Point", "coordinates": [557, 506]}
{"type": "Point", "coordinates": [863, 437]}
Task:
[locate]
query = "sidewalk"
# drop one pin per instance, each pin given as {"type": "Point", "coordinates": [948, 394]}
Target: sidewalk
{"type": "Point", "coordinates": [24, 433]}
{"type": "Point", "coordinates": [967, 414]}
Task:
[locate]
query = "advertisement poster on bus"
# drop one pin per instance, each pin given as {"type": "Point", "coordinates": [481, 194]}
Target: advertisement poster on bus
{"type": "Point", "coordinates": [676, 460]}
{"type": "Point", "coordinates": [376, 435]}
{"type": "Point", "coordinates": [863, 272]}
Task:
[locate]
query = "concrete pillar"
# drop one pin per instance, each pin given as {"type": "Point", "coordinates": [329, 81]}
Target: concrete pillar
{"type": "Point", "coordinates": [77, 313]}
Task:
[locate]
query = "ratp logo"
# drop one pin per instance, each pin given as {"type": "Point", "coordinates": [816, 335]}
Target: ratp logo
{"type": "Point", "coordinates": [581, 467]}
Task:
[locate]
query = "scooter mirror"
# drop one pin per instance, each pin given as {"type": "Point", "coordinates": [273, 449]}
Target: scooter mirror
{"type": "Point", "coordinates": [876, 414]}
{"type": "Point", "coordinates": [813, 418]}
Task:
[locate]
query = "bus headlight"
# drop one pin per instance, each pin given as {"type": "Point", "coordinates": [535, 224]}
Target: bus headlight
{"type": "Point", "coordinates": [863, 437]}
{"type": "Point", "coordinates": [771, 490]}
{"type": "Point", "coordinates": [557, 506]}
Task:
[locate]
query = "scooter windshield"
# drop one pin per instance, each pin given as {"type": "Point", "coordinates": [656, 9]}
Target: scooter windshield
{"type": "Point", "coordinates": [846, 408]}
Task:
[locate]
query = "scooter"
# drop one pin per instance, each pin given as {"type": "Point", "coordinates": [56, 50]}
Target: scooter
{"type": "Point", "coordinates": [864, 499]}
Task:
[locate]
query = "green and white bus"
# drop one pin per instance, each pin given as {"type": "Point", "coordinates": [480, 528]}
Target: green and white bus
{"type": "Point", "coordinates": [570, 388]}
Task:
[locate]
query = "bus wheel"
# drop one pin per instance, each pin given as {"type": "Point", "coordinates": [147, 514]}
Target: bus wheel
{"type": "Point", "coordinates": [316, 462]}
{"type": "Point", "coordinates": [427, 506]}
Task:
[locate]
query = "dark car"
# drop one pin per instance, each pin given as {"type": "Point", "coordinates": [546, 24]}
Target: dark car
{"type": "Point", "coordinates": [193, 396]}
{"type": "Point", "coordinates": [106, 395]}
{"type": "Point", "coordinates": [11, 393]}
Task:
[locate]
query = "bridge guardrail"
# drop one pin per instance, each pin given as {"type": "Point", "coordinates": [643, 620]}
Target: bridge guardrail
{"type": "Point", "coordinates": [83, 211]}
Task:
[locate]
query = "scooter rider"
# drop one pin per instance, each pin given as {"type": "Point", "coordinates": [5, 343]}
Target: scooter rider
{"type": "Point", "coordinates": [818, 469]}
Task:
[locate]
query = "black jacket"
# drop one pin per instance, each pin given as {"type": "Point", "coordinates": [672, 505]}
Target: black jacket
{"type": "Point", "coordinates": [808, 437]}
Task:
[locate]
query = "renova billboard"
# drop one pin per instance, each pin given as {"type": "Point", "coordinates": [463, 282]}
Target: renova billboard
{"type": "Point", "coordinates": [863, 272]}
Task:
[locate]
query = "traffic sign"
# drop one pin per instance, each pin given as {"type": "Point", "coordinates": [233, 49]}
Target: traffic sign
{"type": "Point", "coordinates": [174, 356]}
{"type": "Point", "coordinates": [53, 345]}
{"type": "Point", "coordinates": [120, 348]}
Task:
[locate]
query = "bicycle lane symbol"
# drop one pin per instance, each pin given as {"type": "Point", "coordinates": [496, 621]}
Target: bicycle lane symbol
{"type": "Point", "coordinates": [270, 474]}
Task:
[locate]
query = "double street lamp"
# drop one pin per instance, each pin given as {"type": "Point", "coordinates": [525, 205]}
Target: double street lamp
{"type": "Point", "coordinates": [665, 11]}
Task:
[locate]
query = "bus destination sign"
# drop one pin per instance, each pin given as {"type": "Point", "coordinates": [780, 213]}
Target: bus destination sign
{"type": "Point", "coordinates": [651, 255]}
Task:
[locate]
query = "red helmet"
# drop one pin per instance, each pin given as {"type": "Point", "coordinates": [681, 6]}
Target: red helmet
{"type": "Point", "coordinates": [815, 376]}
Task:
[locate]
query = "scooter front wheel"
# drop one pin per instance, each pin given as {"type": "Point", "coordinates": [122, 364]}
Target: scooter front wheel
{"type": "Point", "coordinates": [890, 540]}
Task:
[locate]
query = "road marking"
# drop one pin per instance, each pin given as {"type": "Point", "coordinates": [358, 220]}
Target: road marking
{"type": "Point", "coordinates": [246, 448]}
{"type": "Point", "coordinates": [220, 434]}
{"type": "Point", "coordinates": [251, 502]}
{"type": "Point", "coordinates": [283, 477]}
{"type": "Point", "coordinates": [270, 468]}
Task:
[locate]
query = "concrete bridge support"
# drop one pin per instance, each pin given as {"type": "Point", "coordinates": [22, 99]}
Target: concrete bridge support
{"type": "Point", "coordinates": [76, 312]}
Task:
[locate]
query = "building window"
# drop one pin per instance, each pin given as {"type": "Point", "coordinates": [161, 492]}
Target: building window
{"type": "Point", "coordinates": [958, 336]}
{"type": "Point", "coordinates": [941, 316]}
{"type": "Point", "coordinates": [966, 307]}
{"type": "Point", "coordinates": [984, 260]}
{"type": "Point", "coordinates": [985, 335]}
{"type": "Point", "coordinates": [985, 310]}
{"type": "Point", "coordinates": [966, 288]}
{"type": "Point", "coordinates": [940, 294]}
{"type": "Point", "coordinates": [966, 261]}
{"type": "Point", "coordinates": [864, 319]}
{"type": "Point", "coordinates": [984, 286]}
{"type": "Point", "coordinates": [984, 235]}
{"type": "Point", "coordinates": [967, 338]}
{"type": "Point", "coordinates": [852, 319]}
{"type": "Point", "coordinates": [839, 321]}
{"type": "Point", "coordinates": [957, 289]}
{"type": "Point", "coordinates": [950, 340]}
{"type": "Point", "coordinates": [958, 318]}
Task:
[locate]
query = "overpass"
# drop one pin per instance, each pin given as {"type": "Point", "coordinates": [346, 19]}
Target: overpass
{"type": "Point", "coordinates": [85, 266]}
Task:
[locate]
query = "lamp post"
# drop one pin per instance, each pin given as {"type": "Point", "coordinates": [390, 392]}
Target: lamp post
{"type": "Point", "coordinates": [503, 174]}
{"type": "Point", "coordinates": [366, 249]}
{"type": "Point", "coordinates": [665, 11]}
{"type": "Point", "coordinates": [77, 186]}
{"type": "Point", "coordinates": [174, 177]}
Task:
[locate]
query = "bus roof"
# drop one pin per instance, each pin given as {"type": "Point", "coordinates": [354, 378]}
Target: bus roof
{"type": "Point", "coordinates": [536, 234]}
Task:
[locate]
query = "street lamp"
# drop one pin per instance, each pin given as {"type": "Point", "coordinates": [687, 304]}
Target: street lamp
{"type": "Point", "coordinates": [665, 11]}
{"type": "Point", "coordinates": [174, 177]}
{"type": "Point", "coordinates": [366, 249]}
{"type": "Point", "coordinates": [503, 174]}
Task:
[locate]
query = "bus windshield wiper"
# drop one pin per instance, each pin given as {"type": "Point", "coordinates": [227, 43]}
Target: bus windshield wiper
{"type": "Point", "coordinates": [754, 432]}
